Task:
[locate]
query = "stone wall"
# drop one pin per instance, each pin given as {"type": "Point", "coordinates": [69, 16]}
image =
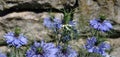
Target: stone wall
{"type": "Point", "coordinates": [29, 14]}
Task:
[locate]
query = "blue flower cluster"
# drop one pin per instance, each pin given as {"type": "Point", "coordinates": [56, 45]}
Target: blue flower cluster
{"type": "Point", "coordinates": [56, 23]}
{"type": "Point", "coordinates": [67, 32]}
{"type": "Point", "coordinates": [16, 41]}
{"type": "Point", "coordinates": [42, 49]}
{"type": "Point", "coordinates": [102, 25]}
{"type": "Point", "coordinates": [94, 47]}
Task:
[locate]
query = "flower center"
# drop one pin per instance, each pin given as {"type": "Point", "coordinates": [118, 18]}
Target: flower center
{"type": "Point", "coordinates": [97, 43]}
{"type": "Point", "coordinates": [40, 51]}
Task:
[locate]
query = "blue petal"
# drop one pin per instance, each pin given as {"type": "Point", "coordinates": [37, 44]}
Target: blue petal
{"type": "Point", "coordinates": [96, 50]}
{"type": "Point", "coordinates": [104, 46]}
{"type": "Point", "coordinates": [15, 41]}
{"type": "Point", "coordinates": [9, 37]}
{"type": "Point", "coordinates": [90, 49]}
{"type": "Point", "coordinates": [22, 39]}
{"type": "Point", "coordinates": [48, 23]}
{"type": "Point", "coordinates": [2, 55]}
{"type": "Point", "coordinates": [102, 26]}
{"type": "Point", "coordinates": [108, 24]}
{"type": "Point", "coordinates": [57, 23]}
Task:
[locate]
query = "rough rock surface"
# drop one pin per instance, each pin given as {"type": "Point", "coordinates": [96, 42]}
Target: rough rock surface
{"type": "Point", "coordinates": [116, 52]}
{"type": "Point", "coordinates": [29, 14]}
{"type": "Point", "coordinates": [58, 4]}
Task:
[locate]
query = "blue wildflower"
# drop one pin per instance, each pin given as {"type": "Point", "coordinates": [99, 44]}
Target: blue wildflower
{"type": "Point", "coordinates": [94, 47]}
{"type": "Point", "coordinates": [102, 25]}
{"type": "Point", "coordinates": [16, 41]}
{"type": "Point", "coordinates": [2, 55]}
{"type": "Point", "coordinates": [56, 23]}
{"type": "Point", "coordinates": [42, 50]}
{"type": "Point", "coordinates": [90, 44]}
{"type": "Point", "coordinates": [66, 52]}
